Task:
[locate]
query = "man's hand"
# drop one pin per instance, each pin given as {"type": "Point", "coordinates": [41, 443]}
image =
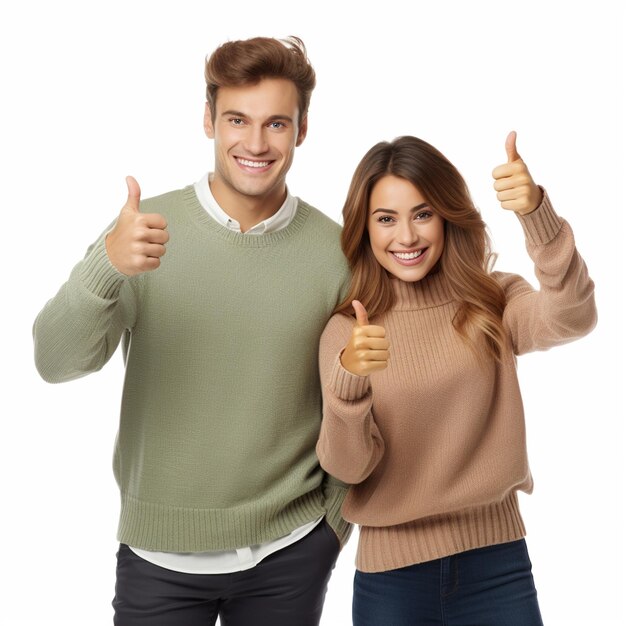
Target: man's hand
{"type": "Point", "coordinates": [137, 241]}
{"type": "Point", "coordinates": [368, 350]}
{"type": "Point", "coordinates": [516, 189]}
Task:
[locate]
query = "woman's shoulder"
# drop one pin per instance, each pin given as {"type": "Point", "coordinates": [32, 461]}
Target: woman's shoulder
{"type": "Point", "coordinates": [339, 322]}
{"type": "Point", "coordinates": [513, 285]}
{"type": "Point", "coordinates": [338, 328]}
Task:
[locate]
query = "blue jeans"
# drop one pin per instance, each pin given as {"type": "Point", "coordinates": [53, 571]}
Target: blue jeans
{"type": "Point", "coordinates": [490, 586]}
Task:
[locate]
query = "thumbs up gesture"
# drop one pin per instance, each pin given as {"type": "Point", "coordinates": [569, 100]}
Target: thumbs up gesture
{"type": "Point", "coordinates": [368, 350]}
{"type": "Point", "coordinates": [516, 189]}
{"type": "Point", "coordinates": [137, 241]}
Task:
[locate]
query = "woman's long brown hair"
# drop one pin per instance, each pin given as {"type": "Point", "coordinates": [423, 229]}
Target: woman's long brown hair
{"type": "Point", "coordinates": [466, 259]}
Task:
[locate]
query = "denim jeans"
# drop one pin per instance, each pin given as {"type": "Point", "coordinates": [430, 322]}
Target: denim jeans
{"type": "Point", "coordinates": [490, 586]}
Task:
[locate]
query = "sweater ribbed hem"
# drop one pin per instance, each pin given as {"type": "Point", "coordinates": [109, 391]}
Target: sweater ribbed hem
{"type": "Point", "coordinates": [176, 529]}
{"type": "Point", "coordinates": [334, 497]}
{"type": "Point", "coordinates": [386, 548]}
{"type": "Point", "coordinates": [543, 224]}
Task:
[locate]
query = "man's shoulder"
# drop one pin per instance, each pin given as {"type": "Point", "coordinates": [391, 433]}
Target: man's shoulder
{"type": "Point", "coordinates": [155, 204]}
{"type": "Point", "coordinates": [323, 237]}
{"type": "Point", "coordinates": [319, 219]}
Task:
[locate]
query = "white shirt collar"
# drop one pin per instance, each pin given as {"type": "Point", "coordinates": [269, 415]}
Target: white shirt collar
{"type": "Point", "coordinates": [279, 220]}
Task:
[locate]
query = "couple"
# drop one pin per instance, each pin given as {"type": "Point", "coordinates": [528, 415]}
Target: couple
{"type": "Point", "coordinates": [236, 494]}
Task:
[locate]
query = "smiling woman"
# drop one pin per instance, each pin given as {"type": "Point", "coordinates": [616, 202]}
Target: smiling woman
{"type": "Point", "coordinates": [96, 91]}
{"type": "Point", "coordinates": [406, 235]}
{"type": "Point", "coordinates": [422, 410]}
{"type": "Point", "coordinates": [429, 216]}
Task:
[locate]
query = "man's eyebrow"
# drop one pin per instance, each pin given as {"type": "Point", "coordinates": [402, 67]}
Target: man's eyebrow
{"type": "Point", "coordinates": [271, 118]}
{"type": "Point", "coordinates": [233, 112]}
{"type": "Point", "coordinates": [275, 118]}
{"type": "Point", "coordinates": [419, 207]}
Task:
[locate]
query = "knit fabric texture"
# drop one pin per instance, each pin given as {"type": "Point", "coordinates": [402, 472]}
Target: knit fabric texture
{"type": "Point", "coordinates": [434, 446]}
{"type": "Point", "coordinates": [221, 406]}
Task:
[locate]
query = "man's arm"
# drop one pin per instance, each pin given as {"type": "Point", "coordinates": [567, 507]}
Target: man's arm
{"type": "Point", "coordinates": [79, 329]}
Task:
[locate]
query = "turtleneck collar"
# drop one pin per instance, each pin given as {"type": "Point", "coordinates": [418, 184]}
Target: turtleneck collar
{"type": "Point", "coordinates": [433, 290]}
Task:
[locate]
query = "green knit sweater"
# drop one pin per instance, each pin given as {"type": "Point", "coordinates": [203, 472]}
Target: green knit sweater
{"type": "Point", "coordinates": [221, 406]}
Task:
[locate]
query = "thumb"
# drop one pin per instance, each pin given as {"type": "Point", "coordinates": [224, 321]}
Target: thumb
{"type": "Point", "coordinates": [134, 194]}
{"type": "Point", "coordinates": [511, 148]}
{"type": "Point", "coordinates": [361, 313]}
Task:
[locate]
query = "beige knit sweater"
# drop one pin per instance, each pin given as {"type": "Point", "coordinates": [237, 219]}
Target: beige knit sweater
{"type": "Point", "coordinates": [434, 446]}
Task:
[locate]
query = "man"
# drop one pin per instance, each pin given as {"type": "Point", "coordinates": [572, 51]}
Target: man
{"type": "Point", "coordinates": [224, 507]}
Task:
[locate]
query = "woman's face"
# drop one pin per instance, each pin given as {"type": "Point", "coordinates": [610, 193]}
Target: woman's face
{"type": "Point", "coordinates": [406, 235]}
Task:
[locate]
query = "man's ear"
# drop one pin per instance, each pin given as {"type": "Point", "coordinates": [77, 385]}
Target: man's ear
{"type": "Point", "coordinates": [208, 122]}
{"type": "Point", "coordinates": [302, 130]}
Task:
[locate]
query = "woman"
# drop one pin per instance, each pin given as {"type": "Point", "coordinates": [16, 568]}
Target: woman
{"type": "Point", "coordinates": [432, 439]}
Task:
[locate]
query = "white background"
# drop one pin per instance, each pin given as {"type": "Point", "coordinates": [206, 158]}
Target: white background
{"type": "Point", "coordinates": [93, 91]}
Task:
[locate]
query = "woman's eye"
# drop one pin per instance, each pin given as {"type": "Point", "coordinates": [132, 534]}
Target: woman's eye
{"type": "Point", "coordinates": [385, 219]}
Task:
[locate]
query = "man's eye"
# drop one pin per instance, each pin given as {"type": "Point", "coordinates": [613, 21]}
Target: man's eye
{"type": "Point", "coordinates": [277, 125]}
{"type": "Point", "coordinates": [236, 121]}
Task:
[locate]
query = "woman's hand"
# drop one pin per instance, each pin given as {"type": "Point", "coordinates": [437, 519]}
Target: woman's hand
{"type": "Point", "coordinates": [515, 186]}
{"type": "Point", "coordinates": [368, 350]}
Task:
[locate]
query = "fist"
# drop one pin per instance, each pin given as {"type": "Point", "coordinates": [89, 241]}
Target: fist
{"type": "Point", "coordinates": [137, 241]}
{"type": "Point", "coordinates": [368, 350]}
{"type": "Point", "coordinates": [515, 187]}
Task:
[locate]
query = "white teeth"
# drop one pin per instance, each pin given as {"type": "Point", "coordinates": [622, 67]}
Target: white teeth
{"type": "Point", "coordinates": [407, 256]}
{"type": "Point", "coordinates": [253, 163]}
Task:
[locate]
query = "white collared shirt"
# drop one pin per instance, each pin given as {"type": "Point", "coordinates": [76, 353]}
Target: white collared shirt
{"type": "Point", "coordinates": [279, 220]}
{"type": "Point", "coordinates": [239, 559]}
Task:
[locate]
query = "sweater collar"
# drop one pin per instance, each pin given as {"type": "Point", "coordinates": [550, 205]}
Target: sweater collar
{"type": "Point", "coordinates": [433, 290]}
{"type": "Point", "coordinates": [208, 223]}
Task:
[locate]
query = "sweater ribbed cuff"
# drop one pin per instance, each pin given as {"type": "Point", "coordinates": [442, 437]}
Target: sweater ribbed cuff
{"type": "Point", "coordinates": [98, 274]}
{"type": "Point", "coordinates": [345, 385]}
{"type": "Point", "coordinates": [543, 224]}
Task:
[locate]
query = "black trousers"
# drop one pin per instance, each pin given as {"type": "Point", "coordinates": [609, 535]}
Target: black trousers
{"type": "Point", "coordinates": [287, 588]}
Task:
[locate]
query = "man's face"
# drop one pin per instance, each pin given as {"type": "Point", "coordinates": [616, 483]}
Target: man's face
{"type": "Point", "coordinates": [255, 132]}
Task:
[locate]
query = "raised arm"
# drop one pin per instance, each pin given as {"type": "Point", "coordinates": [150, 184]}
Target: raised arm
{"type": "Point", "coordinates": [563, 309]}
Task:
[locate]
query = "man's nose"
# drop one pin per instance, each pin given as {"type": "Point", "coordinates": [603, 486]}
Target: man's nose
{"type": "Point", "coordinates": [256, 141]}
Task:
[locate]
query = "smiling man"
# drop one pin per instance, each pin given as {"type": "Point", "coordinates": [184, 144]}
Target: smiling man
{"type": "Point", "coordinates": [225, 510]}
{"type": "Point", "coordinates": [256, 129]}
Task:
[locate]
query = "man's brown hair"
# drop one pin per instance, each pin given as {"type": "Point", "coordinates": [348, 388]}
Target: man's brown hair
{"type": "Point", "coordinates": [247, 61]}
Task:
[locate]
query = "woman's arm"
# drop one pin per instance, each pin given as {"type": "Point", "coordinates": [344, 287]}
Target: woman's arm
{"type": "Point", "coordinates": [350, 445]}
{"type": "Point", "coordinates": [564, 307]}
